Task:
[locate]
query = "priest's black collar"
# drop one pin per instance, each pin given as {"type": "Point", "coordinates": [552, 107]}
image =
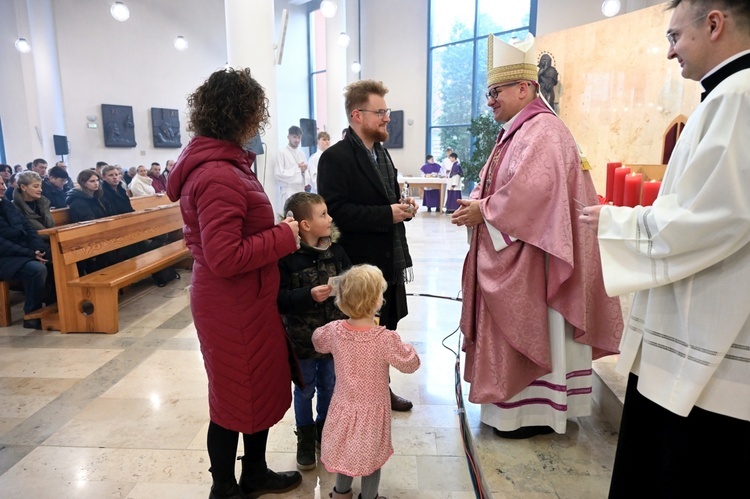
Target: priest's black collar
{"type": "Point", "coordinates": [724, 72]}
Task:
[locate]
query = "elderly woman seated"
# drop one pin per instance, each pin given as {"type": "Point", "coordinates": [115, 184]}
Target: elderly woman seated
{"type": "Point", "coordinates": [23, 257]}
{"type": "Point", "coordinates": [30, 202]}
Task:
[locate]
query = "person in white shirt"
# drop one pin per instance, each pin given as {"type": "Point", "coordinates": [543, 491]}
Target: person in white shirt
{"type": "Point", "coordinates": [141, 183]}
{"type": "Point", "coordinates": [324, 140]}
{"type": "Point", "coordinates": [447, 163]}
{"type": "Point", "coordinates": [291, 167]}
{"type": "Point", "coordinates": [686, 345]}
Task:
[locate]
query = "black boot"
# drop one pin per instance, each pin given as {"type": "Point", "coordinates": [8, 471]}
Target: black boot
{"type": "Point", "coordinates": [319, 433]}
{"type": "Point", "coordinates": [226, 490]}
{"type": "Point", "coordinates": [257, 480]}
{"type": "Point", "coordinates": [306, 446]}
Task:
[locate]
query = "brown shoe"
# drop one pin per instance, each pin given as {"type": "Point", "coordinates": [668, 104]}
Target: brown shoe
{"type": "Point", "coordinates": [400, 404]}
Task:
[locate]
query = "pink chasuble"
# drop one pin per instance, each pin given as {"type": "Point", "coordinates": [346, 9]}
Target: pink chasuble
{"type": "Point", "coordinates": [527, 190]}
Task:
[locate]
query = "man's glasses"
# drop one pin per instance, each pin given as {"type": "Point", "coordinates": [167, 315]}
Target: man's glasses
{"type": "Point", "coordinates": [674, 33]}
{"type": "Point", "coordinates": [382, 113]}
{"type": "Point", "coordinates": [493, 92]}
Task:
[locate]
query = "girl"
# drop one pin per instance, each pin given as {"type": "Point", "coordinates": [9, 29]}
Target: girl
{"type": "Point", "coordinates": [357, 434]}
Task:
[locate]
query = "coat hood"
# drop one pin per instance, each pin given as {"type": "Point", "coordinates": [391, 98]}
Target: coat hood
{"type": "Point", "coordinates": [324, 242]}
{"type": "Point", "coordinates": [201, 150]}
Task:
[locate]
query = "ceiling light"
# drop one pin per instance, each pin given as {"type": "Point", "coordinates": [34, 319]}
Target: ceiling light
{"type": "Point", "coordinates": [328, 8]}
{"type": "Point", "coordinates": [120, 11]}
{"type": "Point", "coordinates": [356, 67]}
{"type": "Point", "coordinates": [610, 7]}
{"type": "Point", "coordinates": [23, 46]}
{"type": "Point", "coordinates": [343, 40]}
{"type": "Point", "coordinates": [180, 43]}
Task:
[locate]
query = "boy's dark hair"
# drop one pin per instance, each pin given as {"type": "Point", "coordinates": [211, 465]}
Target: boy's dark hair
{"type": "Point", "coordinates": [429, 157]}
{"type": "Point", "coordinates": [300, 204]}
{"type": "Point", "coordinates": [38, 161]}
{"type": "Point", "coordinates": [453, 155]}
{"type": "Point", "coordinates": [58, 172]}
{"type": "Point", "coordinates": [295, 130]}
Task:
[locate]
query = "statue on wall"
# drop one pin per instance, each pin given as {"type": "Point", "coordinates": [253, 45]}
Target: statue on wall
{"type": "Point", "coordinates": [548, 79]}
{"type": "Point", "coordinates": [165, 124]}
{"type": "Point", "coordinates": [119, 128]}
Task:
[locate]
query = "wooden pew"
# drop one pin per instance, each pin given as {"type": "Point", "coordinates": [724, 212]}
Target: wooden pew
{"type": "Point", "coordinates": [61, 216]}
{"type": "Point", "coordinates": [90, 303]}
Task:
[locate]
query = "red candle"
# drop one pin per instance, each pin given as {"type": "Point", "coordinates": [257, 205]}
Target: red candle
{"type": "Point", "coordinates": [632, 194]}
{"type": "Point", "coordinates": [611, 167]}
{"type": "Point", "coordinates": [650, 191]}
{"type": "Point", "coordinates": [619, 187]}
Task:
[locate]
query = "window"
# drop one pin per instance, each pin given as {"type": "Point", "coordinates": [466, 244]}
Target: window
{"type": "Point", "coordinates": [458, 63]}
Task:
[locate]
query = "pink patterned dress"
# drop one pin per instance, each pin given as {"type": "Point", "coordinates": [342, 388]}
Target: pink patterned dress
{"type": "Point", "coordinates": [357, 436]}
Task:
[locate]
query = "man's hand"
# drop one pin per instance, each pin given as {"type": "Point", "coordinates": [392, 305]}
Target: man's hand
{"type": "Point", "coordinates": [413, 204]}
{"type": "Point", "coordinates": [321, 293]}
{"type": "Point", "coordinates": [302, 166]}
{"type": "Point", "coordinates": [39, 255]}
{"type": "Point", "coordinates": [401, 212]}
{"type": "Point", "coordinates": [590, 216]}
{"type": "Point", "coordinates": [468, 213]}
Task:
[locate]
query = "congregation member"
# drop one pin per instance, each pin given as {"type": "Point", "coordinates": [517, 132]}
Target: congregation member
{"type": "Point", "coordinates": [431, 196]}
{"type": "Point", "coordinates": [141, 184]}
{"type": "Point", "coordinates": [534, 309]}
{"type": "Point", "coordinates": [306, 303]}
{"type": "Point", "coordinates": [85, 201]}
{"type": "Point", "coordinates": [68, 181]}
{"type": "Point", "coordinates": [129, 175]}
{"type": "Point", "coordinates": [39, 165]}
{"type": "Point", "coordinates": [157, 181]}
{"type": "Point", "coordinates": [231, 232]}
{"type": "Point", "coordinates": [11, 186]}
{"type": "Point", "coordinates": [99, 166]}
{"type": "Point", "coordinates": [32, 204]}
{"type": "Point", "coordinates": [5, 172]}
{"type": "Point", "coordinates": [291, 168]}
{"type": "Point", "coordinates": [687, 258]}
{"type": "Point", "coordinates": [324, 142]}
{"type": "Point", "coordinates": [114, 197]}
{"type": "Point", "coordinates": [358, 180]}
{"type": "Point", "coordinates": [167, 168]}
{"type": "Point", "coordinates": [23, 257]}
{"type": "Point", "coordinates": [54, 187]}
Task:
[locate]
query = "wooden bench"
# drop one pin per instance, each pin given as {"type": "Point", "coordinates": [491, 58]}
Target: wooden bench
{"type": "Point", "coordinates": [61, 216]}
{"type": "Point", "coordinates": [90, 303]}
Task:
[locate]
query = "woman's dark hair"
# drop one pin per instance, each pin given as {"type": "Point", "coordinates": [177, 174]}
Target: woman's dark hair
{"type": "Point", "coordinates": [84, 176]}
{"type": "Point", "coordinates": [230, 105]}
{"type": "Point", "coordinates": [8, 168]}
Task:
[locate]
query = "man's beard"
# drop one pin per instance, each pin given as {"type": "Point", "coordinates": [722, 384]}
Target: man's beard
{"type": "Point", "coordinates": [376, 134]}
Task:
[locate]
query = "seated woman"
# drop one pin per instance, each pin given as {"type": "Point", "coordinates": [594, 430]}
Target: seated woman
{"type": "Point", "coordinates": [30, 202]}
{"type": "Point", "coordinates": [115, 198]}
{"type": "Point", "coordinates": [141, 183]}
{"type": "Point", "coordinates": [85, 204]}
{"type": "Point", "coordinates": [431, 196]}
{"type": "Point", "coordinates": [5, 172]}
{"type": "Point", "coordinates": [23, 257]}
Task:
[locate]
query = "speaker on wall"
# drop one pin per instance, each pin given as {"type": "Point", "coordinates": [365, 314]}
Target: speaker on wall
{"type": "Point", "coordinates": [309, 132]}
{"type": "Point", "coordinates": [61, 145]}
{"type": "Point", "coordinates": [395, 131]}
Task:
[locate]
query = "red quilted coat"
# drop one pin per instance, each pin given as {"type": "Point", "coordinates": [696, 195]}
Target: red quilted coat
{"type": "Point", "coordinates": [231, 232]}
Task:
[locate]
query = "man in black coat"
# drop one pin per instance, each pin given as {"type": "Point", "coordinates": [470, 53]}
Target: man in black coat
{"type": "Point", "coordinates": [357, 178]}
{"type": "Point", "coordinates": [22, 256]}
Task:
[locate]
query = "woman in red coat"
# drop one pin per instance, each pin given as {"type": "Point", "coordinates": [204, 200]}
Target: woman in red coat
{"type": "Point", "coordinates": [230, 229]}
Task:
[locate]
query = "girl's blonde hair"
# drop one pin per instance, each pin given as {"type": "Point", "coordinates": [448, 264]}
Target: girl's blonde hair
{"type": "Point", "coordinates": [360, 290]}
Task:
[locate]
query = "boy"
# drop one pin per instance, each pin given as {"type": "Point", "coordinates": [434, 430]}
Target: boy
{"type": "Point", "coordinates": [305, 303]}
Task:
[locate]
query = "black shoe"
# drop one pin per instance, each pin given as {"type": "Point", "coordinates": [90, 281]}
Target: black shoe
{"type": "Point", "coordinates": [400, 404]}
{"type": "Point", "coordinates": [524, 432]}
{"type": "Point", "coordinates": [306, 447]}
{"type": "Point", "coordinates": [226, 490]}
{"type": "Point", "coordinates": [33, 324]}
{"type": "Point", "coordinates": [271, 483]}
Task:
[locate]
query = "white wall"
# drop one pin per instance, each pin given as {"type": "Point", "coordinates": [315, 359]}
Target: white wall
{"type": "Point", "coordinates": [556, 15]}
{"type": "Point", "coordinates": [394, 50]}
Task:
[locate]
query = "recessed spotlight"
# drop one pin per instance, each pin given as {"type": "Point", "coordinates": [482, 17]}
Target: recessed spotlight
{"type": "Point", "coordinates": [120, 11]}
